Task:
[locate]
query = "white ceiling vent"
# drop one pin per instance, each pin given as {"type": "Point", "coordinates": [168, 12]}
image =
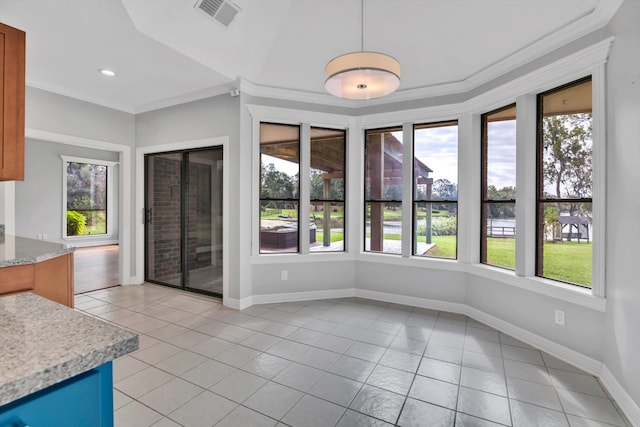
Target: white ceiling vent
{"type": "Point", "coordinates": [222, 11]}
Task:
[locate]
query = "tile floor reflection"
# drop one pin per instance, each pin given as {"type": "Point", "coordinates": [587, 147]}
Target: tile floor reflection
{"type": "Point", "coordinates": [341, 362]}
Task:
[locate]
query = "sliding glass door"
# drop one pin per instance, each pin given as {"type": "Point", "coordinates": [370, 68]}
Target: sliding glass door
{"type": "Point", "coordinates": [183, 220]}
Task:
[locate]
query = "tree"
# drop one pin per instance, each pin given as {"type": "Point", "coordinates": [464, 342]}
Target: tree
{"type": "Point", "coordinates": [86, 186]}
{"type": "Point", "coordinates": [276, 184]}
{"type": "Point", "coordinates": [567, 155]}
{"type": "Point", "coordinates": [501, 210]}
{"type": "Point", "coordinates": [393, 192]}
{"type": "Point", "coordinates": [552, 222]}
{"type": "Point", "coordinates": [444, 189]}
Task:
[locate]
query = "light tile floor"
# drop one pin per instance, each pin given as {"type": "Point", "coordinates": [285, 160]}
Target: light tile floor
{"type": "Point", "coordinates": [342, 362]}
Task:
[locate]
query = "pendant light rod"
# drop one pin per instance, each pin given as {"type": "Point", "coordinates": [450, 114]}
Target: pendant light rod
{"type": "Point", "coordinates": [361, 25]}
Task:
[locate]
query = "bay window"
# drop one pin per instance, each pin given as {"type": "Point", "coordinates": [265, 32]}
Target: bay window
{"type": "Point", "coordinates": [565, 184]}
{"type": "Point", "coordinates": [498, 223]}
{"type": "Point", "coordinates": [435, 189]}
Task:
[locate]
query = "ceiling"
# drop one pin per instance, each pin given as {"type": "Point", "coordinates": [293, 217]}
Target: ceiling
{"type": "Point", "coordinates": [166, 51]}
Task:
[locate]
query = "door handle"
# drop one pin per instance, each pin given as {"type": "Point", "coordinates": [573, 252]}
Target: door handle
{"type": "Point", "coordinates": [149, 216]}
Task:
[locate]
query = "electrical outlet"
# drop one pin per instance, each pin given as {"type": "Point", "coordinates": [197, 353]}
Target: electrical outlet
{"type": "Point", "coordinates": [284, 275]}
{"type": "Point", "coordinates": [44, 237]}
{"type": "Point", "coordinates": [559, 317]}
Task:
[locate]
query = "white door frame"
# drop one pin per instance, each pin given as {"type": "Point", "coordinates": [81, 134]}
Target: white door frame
{"type": "Point", "coordinates": [124, 193]}
{"type": "Point", "coordinates": [177, 146]}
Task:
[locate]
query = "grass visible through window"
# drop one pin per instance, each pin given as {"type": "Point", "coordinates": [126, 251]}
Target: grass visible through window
{"type": "Point", "coordinates": [564, 261]}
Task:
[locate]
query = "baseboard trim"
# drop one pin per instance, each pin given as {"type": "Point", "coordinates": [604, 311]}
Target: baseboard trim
{"type": "Point", "coordinates": [626, 404]}
{"type": "Point", "coordinates": [587, 364]}
{"type": "Point", "coordinates": [452, 307]}
{"type": "Point", "coordinates": [628, 407]}
{"type": "Point", "coordinates": [303, 296]}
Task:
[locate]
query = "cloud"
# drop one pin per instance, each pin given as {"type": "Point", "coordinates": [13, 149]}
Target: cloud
{"type": "Point", "coordinates": [438, 149]}
{"type": "Point", "coordinates": [501, 154]}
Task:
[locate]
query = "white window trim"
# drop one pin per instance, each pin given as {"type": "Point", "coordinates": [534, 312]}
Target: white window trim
{"type": "Point", "coordinates": [306, 120]}
{"type": "Point", "coordinates": [112, 220]}
{"type": "Point", "coordinates": [588, 61]}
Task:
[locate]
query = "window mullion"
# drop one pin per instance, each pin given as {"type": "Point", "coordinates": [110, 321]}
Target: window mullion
{"type": "Point", "coordinates": [304, 186]}
{"type": "Point", "coordinates": [599, 184]}
{"type": "Point", "coordinates": [526, 154]}
{"type": "Point", "coordinates": [407, 189]}
{"type": "Point", "coordinates": [469, 190]}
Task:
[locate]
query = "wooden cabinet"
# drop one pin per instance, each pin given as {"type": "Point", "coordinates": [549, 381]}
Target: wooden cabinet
{"type": "Point", "coordinates": [51, 279]}
{"type": "Point", "coordinates": [84, 400]}
{"type": "Point", "coordinates": [12, 87]}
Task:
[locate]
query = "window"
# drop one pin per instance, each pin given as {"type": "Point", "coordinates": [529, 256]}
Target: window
{"type": "Point", "coordinates": [327, 179]}
{"type": "Point", "coordinates": [498, 226]}
{"type": "Point", "coordinates": [279, 195]}
{"type": "Point", "coordinates": [383, 190]}
{"type": "Point", "coordinates": [87, 187]}
{"type": "Point", "coordinates": [565, 180]}
{"type": "Point", "coordinates": [435, 190]}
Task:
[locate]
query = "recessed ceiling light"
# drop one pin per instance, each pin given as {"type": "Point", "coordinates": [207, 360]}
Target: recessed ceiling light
{"type": "Point", "coordinates": [106, 72]}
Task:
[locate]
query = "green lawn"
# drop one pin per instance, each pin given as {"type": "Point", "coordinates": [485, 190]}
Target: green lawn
{"type": "Point", "coordinates": [568, 262]}
{"type": "Point", "coordinates": [445, 247]}
{"type": "Point", "coordinates": [501, 252]}
{"type": "Point", "coordinates": [565, 261]}
{"type": "Point", "coordinates": [335, 236]}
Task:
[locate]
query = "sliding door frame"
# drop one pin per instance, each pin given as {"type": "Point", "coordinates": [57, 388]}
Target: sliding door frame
{"type": "Point", "coordinates": [140, 199]}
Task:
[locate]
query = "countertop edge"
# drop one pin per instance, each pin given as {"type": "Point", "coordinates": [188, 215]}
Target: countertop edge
{"type": "Point", "coordinates": [36, 259]}
{"type": "Point", "coordinates": [25, 386]}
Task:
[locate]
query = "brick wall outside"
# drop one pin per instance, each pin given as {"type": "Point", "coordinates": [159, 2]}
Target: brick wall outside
{"type": "Point", "coordinates": [166, 219]}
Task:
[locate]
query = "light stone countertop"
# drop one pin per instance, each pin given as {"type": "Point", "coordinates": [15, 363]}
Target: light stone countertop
{"type": "Point", "coordinates": [43, 343]}
{"type": "Point", "coordinates": [21, 250]}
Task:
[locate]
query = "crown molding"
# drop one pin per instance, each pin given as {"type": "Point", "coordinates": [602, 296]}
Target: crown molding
{"type": "Point", "coordinates": [187, 97]}
{"type": "Point", "coordinates": [581, 26]}
{"type": "Point", "coordinates": [82, 97]}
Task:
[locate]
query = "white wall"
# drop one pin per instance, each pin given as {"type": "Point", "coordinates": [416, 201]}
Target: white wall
{"type": "Point", "coordinates": [208, 118]}
{"type": "Point", "coordinates": [622, 344]}
{"type": "Point", "coordinates": [59, 114]}
{"type": "Point", "coordinates": [38, 200]}
{"type": "Point", "coordinates": [58, 118]}
{"type": "Point", "coordinates": [303, 277]}
{"type": "Point", "coordinates": [610, 337]}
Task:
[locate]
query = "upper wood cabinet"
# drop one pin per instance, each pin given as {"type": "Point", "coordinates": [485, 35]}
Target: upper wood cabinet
{"type": "Point", "coordinates": [12, 81]}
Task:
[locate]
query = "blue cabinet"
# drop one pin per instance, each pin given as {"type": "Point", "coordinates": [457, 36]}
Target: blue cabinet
{"type": "Point", "coordinates": [85, 400]}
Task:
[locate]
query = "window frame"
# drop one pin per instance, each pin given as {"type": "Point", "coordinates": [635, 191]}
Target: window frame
{"type": "Point", "coordinates": [110, 212]}
{"type": "Point", "coordinates": [414, 199]}
{"type": "Point", "coordinates": [369, 200]}
{"type": "Point", "coordinates": [484, 198]}
{"type": "Point", "coordinates": [540, 199]}
{"type": "Point", "coordinates": [285, 200]}
{"type": "Point", "coordinates": [344, 185]}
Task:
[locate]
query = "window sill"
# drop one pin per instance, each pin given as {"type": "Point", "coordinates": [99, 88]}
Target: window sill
{"type": "Point", "coordinates": [92, 240]}
{"type": "Point", "coordinates": [562, 291]}
{"type": "Point", "coordinates": [412, 261]}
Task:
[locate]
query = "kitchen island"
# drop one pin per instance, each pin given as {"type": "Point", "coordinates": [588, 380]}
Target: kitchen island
{"type": "Point", "coordinates": [44, 268]}
{"type": "Point", "coordinates": [55, 364]}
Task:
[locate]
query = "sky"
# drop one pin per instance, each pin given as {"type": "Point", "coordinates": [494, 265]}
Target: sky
{"type": "Point", "coordinates": [438, 149]}
{"type": "Point", "coordinates": [501, 162]}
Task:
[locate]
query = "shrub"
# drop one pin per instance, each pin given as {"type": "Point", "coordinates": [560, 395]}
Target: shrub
{"type": "Point", "coordinates": [76, 223]}
{"type": "Point", "coordinates": [440, 226]}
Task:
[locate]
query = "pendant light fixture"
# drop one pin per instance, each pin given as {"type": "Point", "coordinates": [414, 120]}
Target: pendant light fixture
{"type": "Point", "coordinates": [362, 75]}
